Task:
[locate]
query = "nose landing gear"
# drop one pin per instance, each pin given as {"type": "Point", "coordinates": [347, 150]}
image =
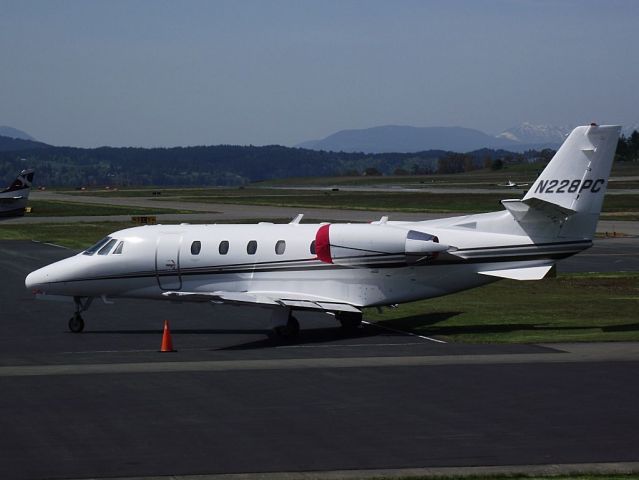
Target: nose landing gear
{"type": "Point", "coordinates": [76, 322]}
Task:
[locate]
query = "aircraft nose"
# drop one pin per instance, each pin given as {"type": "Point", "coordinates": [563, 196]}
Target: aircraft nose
{"type": "Point", "coordinates": [36, 278]}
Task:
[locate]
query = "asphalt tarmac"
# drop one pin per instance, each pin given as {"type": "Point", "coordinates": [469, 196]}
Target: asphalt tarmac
{"type": "Point", "coordinates": [233, 400]}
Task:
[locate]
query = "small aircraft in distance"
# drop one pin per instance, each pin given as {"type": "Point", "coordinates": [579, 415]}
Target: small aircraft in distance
{"type": "Point", "coordinates": [342, 268]}
{"type": "Point", "coordinates": [511, 184]}
{"type": "Point", "coordinates": [13, 199]}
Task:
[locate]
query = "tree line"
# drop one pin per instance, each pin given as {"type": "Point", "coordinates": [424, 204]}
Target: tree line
{"type": "Point", "coordinates": [231, 165]}
{"type": "Point", "coordinates": [628, 147]}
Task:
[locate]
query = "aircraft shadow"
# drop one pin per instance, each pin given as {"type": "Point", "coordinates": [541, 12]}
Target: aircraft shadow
{"type": "Point", "coordinates": [314, 336]}
{"type": "Point", "coordinates": [185, 331]}
{"type": "Point", "coordinates": [414, 322]}
{"type": "Point", "coordinates": [628, 327]}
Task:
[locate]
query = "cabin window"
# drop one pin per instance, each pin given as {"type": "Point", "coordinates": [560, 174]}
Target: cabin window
{"type": "Point", "coordinates": [96, 247]}
{"type": "Point", "coordinates": [196, 246]}
{"type": "Point", "coordinates": [107, 248]}
{"type": "Point", "coordinates": [118, 249]}
{"type": "Point", "coordinates": [251, 247]}
{"type": "Point", "coordinates": [224, 247]}
{"type": "Point", "coordinates": [313, 247]}
{"type": "Point", "coordinates": [280, 247]}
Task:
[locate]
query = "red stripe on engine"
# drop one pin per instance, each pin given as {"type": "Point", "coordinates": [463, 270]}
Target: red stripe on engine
{"type": "Point", "coordinates": [323, 245]}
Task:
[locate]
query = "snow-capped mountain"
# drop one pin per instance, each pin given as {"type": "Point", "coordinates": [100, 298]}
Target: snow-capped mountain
{"type": "Point", "coordinates": [527, 133]}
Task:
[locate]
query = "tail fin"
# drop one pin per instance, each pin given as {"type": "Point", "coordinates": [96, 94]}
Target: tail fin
{"type": "Point", "coordinates": [13, 199]}
{"type": "Point", "coordinates": [22, 181]}
{"type": "Point", "coordinates": [574, 183]}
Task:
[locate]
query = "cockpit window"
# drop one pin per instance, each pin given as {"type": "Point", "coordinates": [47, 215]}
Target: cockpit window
{"type": "Point", "coordinates": [118, 249]}
{"type": "Point", "coordinates": [107, 248]}
{"type": "Point", "coordinates": [97, 246]}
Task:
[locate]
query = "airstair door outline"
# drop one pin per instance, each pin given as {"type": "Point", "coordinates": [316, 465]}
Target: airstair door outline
{"type": "Point", "coordinates": [167, 261]}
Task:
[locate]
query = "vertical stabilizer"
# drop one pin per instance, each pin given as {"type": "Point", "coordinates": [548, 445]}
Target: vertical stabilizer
{"type": "Point", "coordinates": [22, 181]}
{"type": "Point", "coordinates": [13, 199]}
{"type": "Point", "coordinates": [576, 178]}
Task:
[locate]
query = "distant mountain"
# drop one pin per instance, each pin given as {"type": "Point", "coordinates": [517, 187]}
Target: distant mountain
{"type": "Point", "coordinates": [14, 133]}
{"type": "Point", "coordinates": [530, 134]}
{"type": "Point", "coordinates": [404, 139]}
{"type": "Point", "coordinates": [13, 144]}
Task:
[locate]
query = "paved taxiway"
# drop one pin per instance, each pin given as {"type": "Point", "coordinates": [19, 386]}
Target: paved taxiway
{"type": "Point", "coordinates": [105, 403]}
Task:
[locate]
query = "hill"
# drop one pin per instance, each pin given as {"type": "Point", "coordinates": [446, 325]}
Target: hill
{"type": "Point", "coordinates": [12, 144]}
{"type": "Point", "coordinates": [403, 138]}
{"type": "Point", "coordinates": [11, 132]}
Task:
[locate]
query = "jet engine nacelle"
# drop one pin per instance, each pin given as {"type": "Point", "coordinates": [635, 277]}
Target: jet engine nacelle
{"type": "Point", "coordinates": [374, 244]}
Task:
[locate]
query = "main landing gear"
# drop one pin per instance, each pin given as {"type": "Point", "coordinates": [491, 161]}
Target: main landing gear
{"type": "Point", "coordinates": [76, 322]}
{"type": "Point", "coordinates": [290, 330]}
{"type": "Point", "coordinates": [349, 320]}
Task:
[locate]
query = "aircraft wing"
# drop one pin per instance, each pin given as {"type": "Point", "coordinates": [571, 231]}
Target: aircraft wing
{"type": "Point", "coordinates": [284, 299]}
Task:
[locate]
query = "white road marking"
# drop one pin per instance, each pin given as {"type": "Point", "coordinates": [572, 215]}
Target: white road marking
{"type": "Point", "coordinates": [348, 345]}
{"type": "Point", "coordinates": [423, 337]}
{"type": "Point", "coordinates": [51, 244]}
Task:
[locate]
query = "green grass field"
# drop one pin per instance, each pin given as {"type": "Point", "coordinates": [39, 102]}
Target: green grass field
{"type": "Point", "coordinates": [72, 235]}
{"type": "Point", "coordinates": [570, 308]}
{"type": "Point", "coordinates": [81, 235]}
{"type": "Point", "coordinates": [616, 207]}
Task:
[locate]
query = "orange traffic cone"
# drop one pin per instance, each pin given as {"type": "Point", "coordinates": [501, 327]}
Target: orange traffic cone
{"type": "Point", "coordinates": [167, 344]}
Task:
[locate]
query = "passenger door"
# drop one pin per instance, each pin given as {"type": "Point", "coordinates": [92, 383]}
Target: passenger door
{"type": "Point", "coordinates": [167, 261]}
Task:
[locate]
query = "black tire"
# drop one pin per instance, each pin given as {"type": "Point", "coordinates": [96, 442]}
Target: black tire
{"type": "Point", "coordinates": [293, 326]}
{"type": "Point", "coordinates": [349, 320]}
{"type": "Point", "coordinates": [76, 323]}
{"type": "Point", "coordinates": [290, 330]}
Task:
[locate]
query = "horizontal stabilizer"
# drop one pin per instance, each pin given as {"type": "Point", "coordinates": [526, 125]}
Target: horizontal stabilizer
{"type": "Point", "coordinates": [267, 299]}
{"type": "Point", "coordinates": [526, 273]}
{"type": "Point", "coordinates": [530, 208]}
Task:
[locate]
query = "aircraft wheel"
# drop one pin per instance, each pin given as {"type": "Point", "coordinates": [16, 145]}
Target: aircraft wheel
{"type": "Point", "coordinates": [76, 323]}
{"type": "Point", "coordinates": [349, 320]}
{"type": "Point", "coordinates": [290, 330]}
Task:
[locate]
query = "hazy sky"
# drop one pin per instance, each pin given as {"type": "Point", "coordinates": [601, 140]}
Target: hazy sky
{"type": "Point", "coordinates": [163, 73]}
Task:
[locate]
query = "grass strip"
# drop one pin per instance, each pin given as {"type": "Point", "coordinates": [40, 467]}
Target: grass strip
{"type": "Point", "coordinates": [80, 235]}
{"type": "Point", "coordinates": [569, 308]}
{"type": "Point", "coordinates": [77, 236]}
{"type": "Point", "coordinates": [391, 201]}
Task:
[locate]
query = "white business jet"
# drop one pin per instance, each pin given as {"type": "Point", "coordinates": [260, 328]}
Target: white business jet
{"type": "Point", "coordinates": [14, 198]}
{"type": "Point", "coordinates": [342, 268]}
